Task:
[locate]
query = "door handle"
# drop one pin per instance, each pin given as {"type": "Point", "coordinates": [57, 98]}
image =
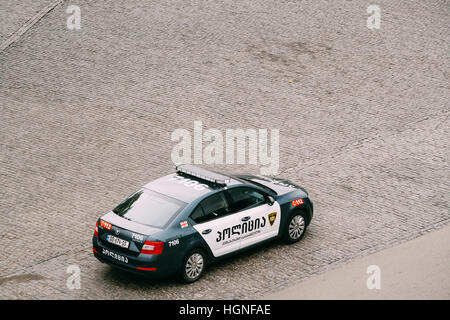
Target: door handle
{"type": "Point", "coordinates": [206, 231]}
{"type": "Point", "coordinates": [245, 218]}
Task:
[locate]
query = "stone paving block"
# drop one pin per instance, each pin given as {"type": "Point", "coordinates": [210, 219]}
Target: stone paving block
{"type": "Point", "coordinates": [87, 117]}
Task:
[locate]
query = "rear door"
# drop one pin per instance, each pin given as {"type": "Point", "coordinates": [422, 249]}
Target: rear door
{"type": "Point", "coordinates": [216, 225]}
{"type": "Point", "coordinates": [260, 220]}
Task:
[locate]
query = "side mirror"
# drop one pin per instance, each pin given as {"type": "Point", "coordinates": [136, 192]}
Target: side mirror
{"type": "Point", "coordinates": [270, 200]}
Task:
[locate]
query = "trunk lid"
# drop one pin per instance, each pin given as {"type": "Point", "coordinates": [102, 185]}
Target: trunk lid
{"type": "Point", "coordinates": [123, 235]}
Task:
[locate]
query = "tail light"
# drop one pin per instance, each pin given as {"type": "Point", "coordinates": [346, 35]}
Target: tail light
{"type": "Point", "coordinates": [96, 229]}
{"type": "Point", "coordinates": [151, 247]}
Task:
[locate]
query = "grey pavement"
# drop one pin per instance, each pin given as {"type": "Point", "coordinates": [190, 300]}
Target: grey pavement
{"type": "Point", "coordinates": [417, 269]}
{"type": "Point", "coordinates": [87, 115]}
{"type": "Point", "coordinates": [14, 14]}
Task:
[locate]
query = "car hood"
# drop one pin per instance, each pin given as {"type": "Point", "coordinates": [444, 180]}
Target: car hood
{"type": "Point", "coordinates": [279, 185]}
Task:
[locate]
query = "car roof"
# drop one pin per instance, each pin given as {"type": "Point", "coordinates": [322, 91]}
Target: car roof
{"type": "Point", "coordinates": [181, 186]}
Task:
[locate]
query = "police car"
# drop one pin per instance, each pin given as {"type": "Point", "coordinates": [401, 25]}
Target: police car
{"type": "Point", "coordinates": [179, 223]}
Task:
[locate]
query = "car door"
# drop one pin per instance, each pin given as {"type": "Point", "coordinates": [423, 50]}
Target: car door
{"type": "Point", "coordinates": [259, 218]}
{"type": "Point", "coordinates": [215, 223]}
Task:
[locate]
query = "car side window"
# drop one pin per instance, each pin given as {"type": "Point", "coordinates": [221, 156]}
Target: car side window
{"type": "Point", "coordinates": [211, 208]}
{"type": "Point", "coordinates": [197, 215]}
{"type": "Point", "coordinates": [245, 198]}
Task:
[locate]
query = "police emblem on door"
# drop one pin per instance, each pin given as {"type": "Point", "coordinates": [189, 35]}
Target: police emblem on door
{"type": "Point", "coordinates": [272, 216]}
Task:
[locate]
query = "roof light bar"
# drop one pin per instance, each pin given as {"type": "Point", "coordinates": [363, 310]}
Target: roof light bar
{"type": "Point", "coordinates": [203, 174]}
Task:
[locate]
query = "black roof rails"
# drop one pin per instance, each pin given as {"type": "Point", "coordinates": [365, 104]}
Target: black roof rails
{"type": "Point", "coordinates": [203, 174]}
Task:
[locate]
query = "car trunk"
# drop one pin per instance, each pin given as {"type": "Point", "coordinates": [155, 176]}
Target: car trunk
{"type": "Point", "coordinates": [123, 235]}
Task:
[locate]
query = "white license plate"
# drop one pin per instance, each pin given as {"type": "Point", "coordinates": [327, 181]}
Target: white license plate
{"type": "Point", "coordinates": [120, 242]}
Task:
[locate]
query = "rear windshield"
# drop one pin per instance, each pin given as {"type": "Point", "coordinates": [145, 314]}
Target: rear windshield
{"type": "Point", "coordinates": [149, 208]}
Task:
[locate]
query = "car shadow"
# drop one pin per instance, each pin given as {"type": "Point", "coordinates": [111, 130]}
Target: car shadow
{"type": "Point", "coordinates": [129, 280]}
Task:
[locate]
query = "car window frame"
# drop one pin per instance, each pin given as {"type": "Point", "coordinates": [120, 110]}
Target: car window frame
{"type": "Point", "coordinates": [266, 198]}
{"type": "Point", "coordinates": [195, 209]}
{"type": "Point", "coordinates": [227, 200]}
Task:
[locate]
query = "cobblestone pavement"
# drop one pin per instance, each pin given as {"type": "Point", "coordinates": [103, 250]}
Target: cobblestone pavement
{"type": "Point", "coordinates": [16, 13]}
{"type": "Point", "coordinates": [86, 119]}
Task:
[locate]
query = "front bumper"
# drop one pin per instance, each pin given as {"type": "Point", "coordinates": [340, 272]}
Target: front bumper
{"type": "Point", "coordinates": [143, 264]}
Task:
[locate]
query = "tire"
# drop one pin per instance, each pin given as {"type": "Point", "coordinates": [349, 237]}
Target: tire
{"type": "Point", "coordinates": [193, 266]}
{"type": "Point", "coordinates": [295, 228]}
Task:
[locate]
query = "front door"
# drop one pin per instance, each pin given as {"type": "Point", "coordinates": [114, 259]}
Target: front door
{"type": "Point", "coordinates": [259, 219]}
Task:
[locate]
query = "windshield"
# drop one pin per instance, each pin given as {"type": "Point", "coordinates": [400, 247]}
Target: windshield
{"type": "Point", "coordinates": [149, 208]}
{"type": "Point", "coordinates": [269, 190]}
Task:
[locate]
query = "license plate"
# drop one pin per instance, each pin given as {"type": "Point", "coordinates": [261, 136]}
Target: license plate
{"type": "Point", "coordinates": [117, 241]}
{"type": "Point", "coordinates": [114, 255]}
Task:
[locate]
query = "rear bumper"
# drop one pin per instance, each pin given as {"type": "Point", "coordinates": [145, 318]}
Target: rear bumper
{"type": "Point", "coordinates": [146, 265]}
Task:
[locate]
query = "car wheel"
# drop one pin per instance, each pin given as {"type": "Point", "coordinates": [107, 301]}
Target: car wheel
{"type": "Point", "coordinates": [295, 228]}
{"type": "Point", "coordinates": [193, 266]}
